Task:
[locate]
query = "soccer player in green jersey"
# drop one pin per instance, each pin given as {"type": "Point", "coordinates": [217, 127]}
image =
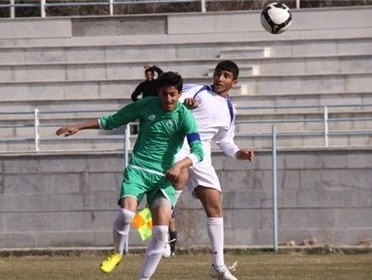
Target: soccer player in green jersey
{"type": "Point", "coordinates": [164, 124]}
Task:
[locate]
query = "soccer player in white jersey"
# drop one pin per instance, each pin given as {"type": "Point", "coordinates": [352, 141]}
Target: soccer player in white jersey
{"type": "Point", "coordinates": [152, 170]}
{"type": "Point", "coordinates": [215, 116]}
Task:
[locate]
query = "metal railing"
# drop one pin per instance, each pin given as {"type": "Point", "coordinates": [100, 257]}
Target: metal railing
{"type": "Point", "coordinates": [324, 119]}
{"type": "Point", "coordinates": [43, 4]}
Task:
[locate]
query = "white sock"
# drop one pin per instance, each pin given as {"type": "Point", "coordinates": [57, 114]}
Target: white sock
{"type": "Point", "coordinates": [178, 193]}
{"type": "Point", "coordinates": [216, 237]}
{"type": "Point", "coordinates": [154, 251]}
{"type": "Point", "coordinates": [121, 229]}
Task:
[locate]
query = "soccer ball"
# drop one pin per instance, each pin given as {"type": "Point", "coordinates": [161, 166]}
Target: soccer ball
{"type": "Point", "coordinates": [276, 18]}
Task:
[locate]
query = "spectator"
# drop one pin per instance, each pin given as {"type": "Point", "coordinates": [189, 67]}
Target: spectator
{"type": "Point", "coordinates": [147, 87]}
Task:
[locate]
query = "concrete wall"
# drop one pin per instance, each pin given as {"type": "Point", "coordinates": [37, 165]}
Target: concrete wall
{"type": "Point", "coordinates": [69, 199]}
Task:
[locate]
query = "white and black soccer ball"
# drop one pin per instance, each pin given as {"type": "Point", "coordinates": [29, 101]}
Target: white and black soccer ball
{"type": "Point", "coordinates": [276, 18]}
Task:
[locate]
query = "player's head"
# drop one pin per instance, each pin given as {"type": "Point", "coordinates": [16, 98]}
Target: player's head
{"type": "Point", "coordinates": [230, 66]}
{"type": "Point", "coordinates": [225, 76]}
{"type": "Point", "coordinates": [169, 86]}
{"type": "Point", "coordinates": [149, 74]}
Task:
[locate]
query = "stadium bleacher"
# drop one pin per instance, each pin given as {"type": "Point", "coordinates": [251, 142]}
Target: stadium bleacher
{"type": "Point", "coordinates": [84, 67]}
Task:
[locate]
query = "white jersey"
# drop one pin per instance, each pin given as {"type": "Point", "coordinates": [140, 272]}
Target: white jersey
{"type": "Point", "coordinates": [215, 117]}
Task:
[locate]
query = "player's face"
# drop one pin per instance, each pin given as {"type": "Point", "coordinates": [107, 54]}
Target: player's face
{"type": "Point", "coordinates": [149, 75]}
{"type": "Point", "coordinates": [223, 81]}
{"type": "Point", "coordinates": [169, 97]}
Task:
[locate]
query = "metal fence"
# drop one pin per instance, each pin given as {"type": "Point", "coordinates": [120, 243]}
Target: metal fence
{"type": "Point", "coordinates": [297, 197]}
{"type": "Point", "coordinates": [43, 5]}
{"type": "Point", "coordinates": [316, 127]}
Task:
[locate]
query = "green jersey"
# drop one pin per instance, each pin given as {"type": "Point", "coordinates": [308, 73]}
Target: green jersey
{"type": "Point", "coordinates": [161, 133]}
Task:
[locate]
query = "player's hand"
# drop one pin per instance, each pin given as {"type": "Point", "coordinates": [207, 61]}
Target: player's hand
{"type": "Point", "coordinates": [147, 66]}
{"type": "Point", "coordinates": [67, 131]}
{"type": "Point", "coordinates": [245, 154]}
{"type": "Point", "coordinates": [173, 173]}
{"type": "Point", "coordinates": [190, 103]}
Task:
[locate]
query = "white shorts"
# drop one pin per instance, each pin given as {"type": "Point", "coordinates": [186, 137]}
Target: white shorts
{"type": "Point", "coordinates": [201, 174]}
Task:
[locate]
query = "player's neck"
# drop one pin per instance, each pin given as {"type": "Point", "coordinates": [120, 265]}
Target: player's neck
{"type": "Point", "coordinates": [224, 94]}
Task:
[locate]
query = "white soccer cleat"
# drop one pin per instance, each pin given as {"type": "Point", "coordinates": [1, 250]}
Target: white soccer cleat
{"type": "Point", "coordinates": [223, 272]}
{"type": "Point", "coordinates": [167, 250]}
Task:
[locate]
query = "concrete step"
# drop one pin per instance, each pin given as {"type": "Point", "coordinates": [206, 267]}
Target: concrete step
{"type": "Point", "coordinates": [244, 70]}
{"type": "Point", "coordinates": [257, 141]}
{"type": "Point", "coordinates": [252, 121]}
{"type": "Point", "coordinates": [115, 48]}
{"type": "Point", "coordinates": [294, 139]}
{"type": "Point", "coordinates": [187, 67]}
{"type": "Point", "coordinates": [122, 88]}
{"type": "Point", "coordinates": [236, 95]}
{"type": "Point", "coordinates": [106, 69]}
{"type": "Point", "coordinates": [315, 125]}
{"type": "Point", "coordinates": [67, 144]}
{"type": "Point", "coordinates": [123, 52]}
{"type": "Point", "coordinates": [307, 83]}
{"type": "Point", "coordinates": [64, 104]}
{"type": "Point", "coordinates": [246, 52]}
{"type": "Point", "coordinates": [356, 118]}
{"type": "Point", "coordinates": [310, 64]}
{"type": "Point", "coordinates": [298, 99]}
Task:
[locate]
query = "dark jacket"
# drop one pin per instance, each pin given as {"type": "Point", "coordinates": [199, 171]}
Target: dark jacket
{"type": "Point", "coordinates": [147, 88]}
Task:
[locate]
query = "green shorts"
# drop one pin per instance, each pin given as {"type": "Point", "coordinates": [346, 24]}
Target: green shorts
{"type": "Point", "coordinates": [137, 183]}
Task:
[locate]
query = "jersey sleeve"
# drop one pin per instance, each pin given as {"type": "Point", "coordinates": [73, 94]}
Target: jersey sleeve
{"type": "Point", "coordinates": [225, 140]}
{"type": "Point", "coordinates": [189, 91]}
{"type": "Point", "coordinates": [125, 115]}
{"type": "Point", "coordinates": [193, 138]}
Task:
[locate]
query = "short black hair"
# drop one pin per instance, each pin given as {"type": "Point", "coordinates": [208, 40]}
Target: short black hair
{"type": "Point", "coordinates": [169, 79]}
{"type": "Point", "coordinates": [150, 69]}
{"type": "Point", "coordinates": [228, 65]}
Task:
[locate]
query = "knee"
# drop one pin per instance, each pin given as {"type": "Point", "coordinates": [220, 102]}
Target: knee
{"type": "Point", "coordinates": [160, 233]}
{"type": "Point", "coordinates": [125, 216]}
{"type": "Point", "coordinates": [214, 210]}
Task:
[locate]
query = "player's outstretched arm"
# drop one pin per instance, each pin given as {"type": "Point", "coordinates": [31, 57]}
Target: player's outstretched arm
{"type": "Point", "coordinates": [245, 154]}
{"type": "Point", "coordinates": [73, 129]}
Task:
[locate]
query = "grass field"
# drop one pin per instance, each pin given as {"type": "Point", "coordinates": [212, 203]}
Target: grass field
{"type": "Point", "coordinates": [261, 266]}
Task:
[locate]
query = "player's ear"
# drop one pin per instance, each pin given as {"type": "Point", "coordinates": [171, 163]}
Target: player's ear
{"type": "Point", "coordinates": [235, 82]}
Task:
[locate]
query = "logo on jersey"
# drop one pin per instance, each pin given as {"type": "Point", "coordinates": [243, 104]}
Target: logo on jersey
{"type": "Point", "coordinates": [151, 117]}
{"type": "Point", "coordinates": [171, 123]}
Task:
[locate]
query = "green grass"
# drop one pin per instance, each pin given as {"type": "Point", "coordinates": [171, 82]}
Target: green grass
{"type": "Point", "coordinates": [263, 266]}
